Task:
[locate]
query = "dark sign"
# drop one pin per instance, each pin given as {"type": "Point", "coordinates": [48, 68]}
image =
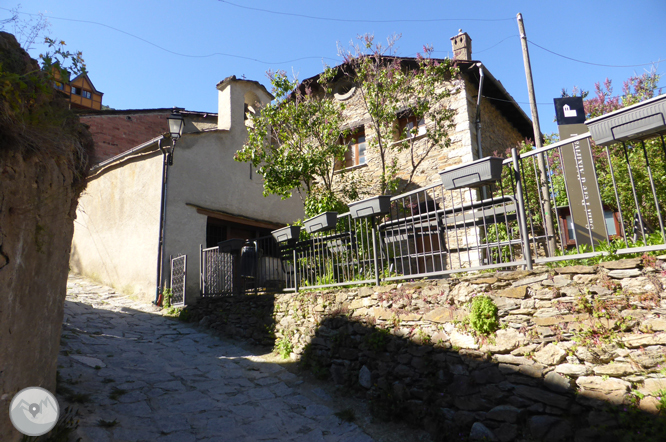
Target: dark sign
{"type": "Point", "coordinates": [569, 110]}
{"type": "Point", "coordinates": [582, 187]}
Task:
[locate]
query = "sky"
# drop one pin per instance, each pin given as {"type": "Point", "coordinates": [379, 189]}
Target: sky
{"type": "Point", "coordinates": [160, 54]}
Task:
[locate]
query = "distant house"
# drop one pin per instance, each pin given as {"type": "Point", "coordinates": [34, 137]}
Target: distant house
{"type": "Point", "coordinates": [80, 91]}
{"type": "Point", "coordinates": [204, 197]}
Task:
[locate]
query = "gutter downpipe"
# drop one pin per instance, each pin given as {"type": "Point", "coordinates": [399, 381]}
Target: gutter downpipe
{"type": "Point", "coordinates": [160, 245]}
{"type": "Point", "coordinates": [478, 121]}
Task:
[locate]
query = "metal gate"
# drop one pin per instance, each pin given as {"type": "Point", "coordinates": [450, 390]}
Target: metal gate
{"type": "Point", "coordinates": [216, 272]}
{"type": "Point", "coordinates": [178, 279]}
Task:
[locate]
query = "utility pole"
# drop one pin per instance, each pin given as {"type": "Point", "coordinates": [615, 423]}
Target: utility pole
{"type": "Point", "coordinates": [545, 195]}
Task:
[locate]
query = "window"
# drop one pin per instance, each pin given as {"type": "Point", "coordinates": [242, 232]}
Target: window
{"type": "Point", "coordinates": [355, 155]}
{"type": "Point", "coordinates": [86, 94]}
{"type": "Point", "coordinates": [59, 85]}
{"type": "Point", "coordinates": [611, 217]}
{"type": "Point", "coordinates": [76, 91]}
{"type": "Point", "coordinates": [408, 123]}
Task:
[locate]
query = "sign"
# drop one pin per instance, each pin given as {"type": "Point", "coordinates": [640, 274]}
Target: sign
{"type": "Point", "coordinates": [569, 110]}
{"type": "Point", "coordinates": [579, 174]}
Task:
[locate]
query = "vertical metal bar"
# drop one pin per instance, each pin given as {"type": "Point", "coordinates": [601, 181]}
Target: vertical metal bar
{"type": "Point", "coordinates": [542, 211]}
{"type": "Point", "coordinates": [521, 210]}
{"type": "Point", "coordinates": [295, 270]}
{"type": "Point", "coordinates": [200, 271]}
{"type": "Point", "coordinates": [654, 193]}
{"type": "Point", "coordinates": [633, 191]}
{"type": "Point", "coordinates": [374, 249]}
{"type": "Point", "coordinates": [617, 198]}
{"type": "Point", "coordinates": [184, 278]}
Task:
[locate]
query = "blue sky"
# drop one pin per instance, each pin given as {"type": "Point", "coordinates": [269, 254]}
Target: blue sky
{"type": "Point", "coordinates": [134, 73]}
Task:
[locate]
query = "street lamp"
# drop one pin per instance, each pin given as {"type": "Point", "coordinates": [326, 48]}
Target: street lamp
{"type": "Point", "coordinates": [176, 123]}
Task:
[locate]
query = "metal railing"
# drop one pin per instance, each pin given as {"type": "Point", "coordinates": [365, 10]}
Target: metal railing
{"type": "Point", "coordinates": [258, 268]}
{"type": "Point", "coordinates": [432, 232]}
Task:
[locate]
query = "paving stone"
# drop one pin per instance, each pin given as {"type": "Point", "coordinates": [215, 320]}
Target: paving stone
{"type": "Point", "coordinates": [181, 384]}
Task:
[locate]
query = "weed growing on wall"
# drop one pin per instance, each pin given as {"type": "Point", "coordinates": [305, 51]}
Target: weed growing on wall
{"type": "Point", "coordinates": [483, 315]}
{"type": "Point", "coordinates": [284, 347]}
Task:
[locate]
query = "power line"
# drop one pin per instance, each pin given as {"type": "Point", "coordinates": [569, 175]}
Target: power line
{"type": "Point", "coordinates": [224, 54]}
{"type": "Point", "coordinates": [348, 20]}
{"type": "Point", "coordinates": [497, 44]}
{"type": "Point", "coordinates": [595, 64]}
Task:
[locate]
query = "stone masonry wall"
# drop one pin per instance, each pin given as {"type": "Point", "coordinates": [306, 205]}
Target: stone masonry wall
{"type": "Point", "coordinates": [580, 352]}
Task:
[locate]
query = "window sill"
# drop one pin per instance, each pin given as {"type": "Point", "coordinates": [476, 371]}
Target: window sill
{"type": "Point", "coordinates": [349, 169]}
{"type": "Point", "coordinates": [415, 138]}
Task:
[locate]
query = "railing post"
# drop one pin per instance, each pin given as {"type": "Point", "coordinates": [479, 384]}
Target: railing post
{"type": "Point", "coordinates": [200, 270]}
{"type": "Point", "coordinates": [295, 271]}
{"type": "Point", "coordinates": [374, 250]}
{"type": "Point", "coordinates": [522, 223]}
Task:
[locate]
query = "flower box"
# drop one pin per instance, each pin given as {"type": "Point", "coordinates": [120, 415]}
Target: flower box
{"type": "Point", "coordinates": [286, 233]}
{"type": "Point", "coordinates": [377, 205]}
{"type": "Point", "coordinates": [640, 121]}
{"type": "Point", "coordinates": [322, 222]}
{"type": "Point", "coordinates": [475, 174]}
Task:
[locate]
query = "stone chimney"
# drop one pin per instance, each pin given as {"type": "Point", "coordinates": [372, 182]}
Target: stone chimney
{"type": "Point", "coordinates": [462, 46]}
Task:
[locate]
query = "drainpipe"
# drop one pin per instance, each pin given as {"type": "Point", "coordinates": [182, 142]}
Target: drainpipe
{"type": "Point", "coordinates": [160, 245]}
{"type": "Point", "coordinates": [478, 121]}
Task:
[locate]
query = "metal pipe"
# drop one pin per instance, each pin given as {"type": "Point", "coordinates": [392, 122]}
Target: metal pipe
{"type": "Point", "coordinates": [478, 121]}
{"type": "Point", "coordinates": [160, 241]}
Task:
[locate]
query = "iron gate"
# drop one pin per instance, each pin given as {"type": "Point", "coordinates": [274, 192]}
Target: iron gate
{"type": "Point", "coordinates": [216, 272]}
{"type": "Point", "coordinates": [178, 279]}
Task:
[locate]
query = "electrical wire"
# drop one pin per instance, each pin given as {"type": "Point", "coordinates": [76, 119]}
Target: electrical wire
{"type": "Point", "coordinates": [349, 20]}
{"type": "Point", "coordinates": [595, 64]}
{"type": "Point", "coordinates": [224, 54]}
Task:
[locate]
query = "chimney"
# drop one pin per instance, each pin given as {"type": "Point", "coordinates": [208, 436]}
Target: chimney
{"type": "Point", "coordinates": [462, 46]}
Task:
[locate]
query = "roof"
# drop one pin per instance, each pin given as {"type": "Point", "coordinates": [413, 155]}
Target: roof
{"type": "Point", "coordinates": [135, 150]}
{"type": "Point", "coordinates": [84, 75]}
{"type": "Point", "coordinates": [500, 98]}
{"type": "Point", "coordinates": [492, 90]}
{"type": "Point", "coordinates": [232, 78]}
{"type": "Point", "coordinates": [164, 110]}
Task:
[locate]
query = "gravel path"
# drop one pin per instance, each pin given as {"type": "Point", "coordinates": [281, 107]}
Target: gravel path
{"type": "Point", "coordinates": [135, 375]}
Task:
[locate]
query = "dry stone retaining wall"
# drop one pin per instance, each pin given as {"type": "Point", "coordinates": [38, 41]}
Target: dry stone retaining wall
{"type": "Point", "coordinates": [573, 341]}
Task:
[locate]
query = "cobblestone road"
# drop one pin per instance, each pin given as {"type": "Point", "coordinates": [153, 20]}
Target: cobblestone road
{"type": "Point", "coordinates": [138, 376]}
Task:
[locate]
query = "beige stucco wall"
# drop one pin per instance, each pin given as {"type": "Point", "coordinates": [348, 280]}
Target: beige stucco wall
{"type": "Point", "coordinates": [117, 226]}
{"type": "Point", "coordinates": [205, 174]}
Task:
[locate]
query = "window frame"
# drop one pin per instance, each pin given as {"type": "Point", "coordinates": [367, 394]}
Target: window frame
{"type": "Point", "coordinates": [353, 154]}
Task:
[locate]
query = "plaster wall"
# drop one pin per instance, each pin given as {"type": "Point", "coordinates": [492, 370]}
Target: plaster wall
{"type": "Point", "coordinates": [205, 174]}
{"type": "Point", "coordinates": [117, 226]}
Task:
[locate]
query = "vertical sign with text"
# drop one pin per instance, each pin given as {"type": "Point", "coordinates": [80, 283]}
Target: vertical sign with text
{"type": "Point", "coordinates": [581, 181]}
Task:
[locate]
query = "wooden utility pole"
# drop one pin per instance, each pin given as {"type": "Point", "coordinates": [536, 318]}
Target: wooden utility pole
{"type": "Point", "coordinates": [545, 195]}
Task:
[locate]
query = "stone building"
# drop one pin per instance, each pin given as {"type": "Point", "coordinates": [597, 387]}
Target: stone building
{"type": "Point", "coordinates": [503, 123]}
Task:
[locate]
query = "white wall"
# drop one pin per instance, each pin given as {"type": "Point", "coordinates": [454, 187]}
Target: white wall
{"type": "Point", "coordinates": [205, 174]}
{"type": "Point", "coordinates": [117, 227]}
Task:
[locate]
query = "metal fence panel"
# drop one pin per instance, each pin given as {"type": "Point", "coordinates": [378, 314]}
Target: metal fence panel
{"type": "Point", "coordinates": [178, 280]}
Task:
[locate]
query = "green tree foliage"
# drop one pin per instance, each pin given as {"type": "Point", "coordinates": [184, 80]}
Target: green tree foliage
{"type": "Point", "coordinates": [391, 85]}
{"type": "Point", "coordinates": [295, 143]}
{"type": "Point", "coordinates": [298, 140]}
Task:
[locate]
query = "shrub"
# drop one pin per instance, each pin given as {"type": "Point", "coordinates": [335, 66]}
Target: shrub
{"type": "Point", "coordinates": [483, 315]}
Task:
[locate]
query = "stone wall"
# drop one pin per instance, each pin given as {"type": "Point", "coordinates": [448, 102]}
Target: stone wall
{"type": "Point", "coordinates": [580, 351]}
{"type": "Point", "coordinates": [41, 170]}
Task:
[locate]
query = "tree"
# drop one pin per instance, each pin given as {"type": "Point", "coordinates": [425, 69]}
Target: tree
{"type": "Point", "coordinates": [390, 85]}
{"type": "Point", "coordinates": [295, 142]}
{"type": "Point", "coordinates": [298, 140]}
